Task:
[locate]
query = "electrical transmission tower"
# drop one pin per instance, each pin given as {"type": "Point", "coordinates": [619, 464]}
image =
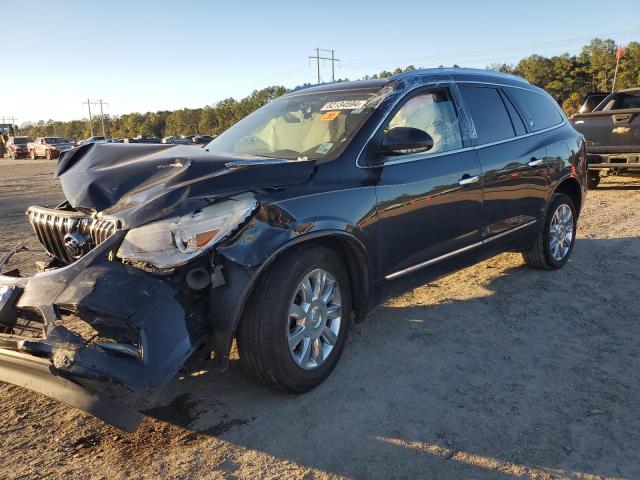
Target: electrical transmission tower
{"type": "Point", "coordinates": [100, 102]}
{"type": "Point", "coordinates": [332, 59]}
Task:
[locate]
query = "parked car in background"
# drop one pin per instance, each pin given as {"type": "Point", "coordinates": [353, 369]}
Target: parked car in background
{"type": "Point", "coordinates": [175, 140]}
{"type": "Point", "coordinates": [612, 133]}
{"type": "Point", "coordinates": [283, 230]}
{"type": "Point", "coordinates": [94, 139]}
{"type": "Point", "coordinates": [48, 147]}
{"type": "Point", "coordinates": [147, 139]}
{"type": "Point", "coordinates": [202, 139]}
{"type": "Point", "coordinates": [18, 147]}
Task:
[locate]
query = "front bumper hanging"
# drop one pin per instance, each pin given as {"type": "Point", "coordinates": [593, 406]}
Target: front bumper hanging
{"type": "Point", "coordinates": [98, 335]}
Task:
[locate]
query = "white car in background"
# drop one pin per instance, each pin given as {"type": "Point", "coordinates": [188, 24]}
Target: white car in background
{"type": "Point", "coordinates": [177, 140]}
{"type": "Point", "coordinates": [94, 139]}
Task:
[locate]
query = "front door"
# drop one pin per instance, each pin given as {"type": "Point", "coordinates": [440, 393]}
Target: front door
{"type": "Point", "coordinates": [430, 203]}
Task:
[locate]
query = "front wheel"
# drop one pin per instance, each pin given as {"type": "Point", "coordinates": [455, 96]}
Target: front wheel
{"type": "Point", "coordinates": [555, 239]}
{"type": "Point", "coordinates": [33, 154]}
{"type": "Point", "coordinates": [294, 328]}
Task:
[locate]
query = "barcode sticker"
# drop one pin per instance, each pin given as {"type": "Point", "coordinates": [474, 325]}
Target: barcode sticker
{"type": "Point", "coordinates": [344, 105]}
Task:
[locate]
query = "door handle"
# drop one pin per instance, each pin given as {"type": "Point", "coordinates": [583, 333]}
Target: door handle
{"type": "Point", "coordinates": [534, 162]}
{"type": "Point", "coordinates": [467, 180]}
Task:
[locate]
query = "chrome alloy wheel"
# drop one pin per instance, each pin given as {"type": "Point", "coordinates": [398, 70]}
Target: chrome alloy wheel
{"type": "Point", "coordinates": [561, 232]}
{"type": "Point", "coordinates": [314, 319]}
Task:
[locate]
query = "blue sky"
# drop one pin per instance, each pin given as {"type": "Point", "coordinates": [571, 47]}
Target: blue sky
{"type": "Point", "coordinates": [144, 55]}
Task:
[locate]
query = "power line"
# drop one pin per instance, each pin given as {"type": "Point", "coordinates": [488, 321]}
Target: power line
{"type": "Point", "coordinates": [333, 61]}
{"type": "Point", "coordinates": [470, 54]}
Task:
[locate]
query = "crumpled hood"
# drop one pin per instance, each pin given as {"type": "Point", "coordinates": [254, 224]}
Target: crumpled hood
{"type": "Point", "coordinates": [138, 183]}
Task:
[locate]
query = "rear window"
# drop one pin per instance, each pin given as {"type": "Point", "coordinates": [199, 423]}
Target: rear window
{"type": "Point", "coordinates": [489, 113]}
{"type": "Point", "coordinates": [591, 101]}
{"type": "Point", "coordinates": [539, 110]}
{"type": "Point", "coordinates": [620, 101]}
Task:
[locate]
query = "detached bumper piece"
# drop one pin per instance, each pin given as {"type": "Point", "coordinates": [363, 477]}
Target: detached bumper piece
{"type": "Point", "coordinates": [98, 335]}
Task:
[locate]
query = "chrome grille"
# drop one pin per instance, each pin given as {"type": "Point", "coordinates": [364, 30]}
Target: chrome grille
{"type": "Point", "coordinates": [51, 227]}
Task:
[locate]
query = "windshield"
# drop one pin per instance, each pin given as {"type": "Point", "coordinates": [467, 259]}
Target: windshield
{"type": "Point", "coordinates": [620, 101]}
{"type": "Point", "coordinates": [316, 126]}
{"type": "Point", "coordinates": [53, 140]}
{"type": "Point", "coordinates": [22, 140]}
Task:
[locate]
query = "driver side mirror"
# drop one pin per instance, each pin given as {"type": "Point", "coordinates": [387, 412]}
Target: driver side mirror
{"type": "Point", "coordinates": [406, 140]}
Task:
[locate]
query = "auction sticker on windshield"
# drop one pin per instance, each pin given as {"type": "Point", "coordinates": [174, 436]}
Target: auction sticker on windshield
{"type": "Point", "coordinates": [324, 148]}
{"type": "Point", "coordinates": [344, 105]}
{"type": "Point", "coordinates": [328, 116]}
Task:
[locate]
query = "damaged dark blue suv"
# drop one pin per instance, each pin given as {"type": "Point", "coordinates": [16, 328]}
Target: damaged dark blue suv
{"type": "Point", "coordinates": [281, 231]}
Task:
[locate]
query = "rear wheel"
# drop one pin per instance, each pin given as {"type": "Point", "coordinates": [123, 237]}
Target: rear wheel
{"type": "Point", "coordinates": [554, 242]}
{"type": "Point", "coordinates": [593, 180]}
{"type": "Point", "coordinates": [295, 326]}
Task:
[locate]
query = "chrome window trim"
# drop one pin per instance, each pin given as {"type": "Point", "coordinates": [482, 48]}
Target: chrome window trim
{"type": "Point", "coordinates": [484, 145]}
{"type": "Point", "coordinates": [414, 157]}
{"type": "Point", "coordinates": [453, 253]}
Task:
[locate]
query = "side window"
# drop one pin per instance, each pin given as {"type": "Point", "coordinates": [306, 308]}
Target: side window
{"type": "Point", "coordinates": [434, 113]}
{"type": "Point", "coordinates": [539, 110]}
{"type": "Point", "coordinates": [489, 113]}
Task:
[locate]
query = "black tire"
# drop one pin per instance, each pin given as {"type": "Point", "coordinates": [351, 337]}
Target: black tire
{"type": "Point", "coordinates": [539, 254]}
{"type": "Point", "coordinates": [593, 180]}
{"type": "Point", "coordinates": [262, 334]}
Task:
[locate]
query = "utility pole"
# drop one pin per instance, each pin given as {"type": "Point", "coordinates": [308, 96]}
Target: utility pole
{"type": "Point", "coordinates": [102, 118]}
{"type": "Point", "coordinates": [88, 103]}
{"type": "Point", "coordinates": [333, 67]}
{"type": "Point", "coordinates": [333, 61]}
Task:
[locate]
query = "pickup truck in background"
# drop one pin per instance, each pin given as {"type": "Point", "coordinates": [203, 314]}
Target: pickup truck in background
{"type": "Point", "coordinates": [18, 147]}
{"type": "Point", "coordinates": [612, 134]}
{"type": "Point", "coordinates": [48, 147]}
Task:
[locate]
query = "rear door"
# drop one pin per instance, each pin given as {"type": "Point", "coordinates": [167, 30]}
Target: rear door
{"type": "Point", "coordinates": [429, 203]}
{"type": "Point", "coordinates": [513, 162]}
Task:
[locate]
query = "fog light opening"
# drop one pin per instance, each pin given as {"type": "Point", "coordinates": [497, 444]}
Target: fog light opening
{"type": "Point", "coordinates": [198, 278]}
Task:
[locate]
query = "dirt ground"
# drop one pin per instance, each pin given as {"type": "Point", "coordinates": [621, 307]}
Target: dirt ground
{"type": "Point", "coordinates": [498, 371]}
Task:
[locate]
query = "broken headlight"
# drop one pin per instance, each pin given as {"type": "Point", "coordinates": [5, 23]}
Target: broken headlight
{"type": "Point", "coordinates": [174, 241]}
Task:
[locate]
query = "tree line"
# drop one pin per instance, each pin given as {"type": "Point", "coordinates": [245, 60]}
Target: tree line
{"type": "Point", "coordinates": [568, 78]}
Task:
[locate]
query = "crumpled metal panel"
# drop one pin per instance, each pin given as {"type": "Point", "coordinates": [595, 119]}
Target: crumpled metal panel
{"type": "Point", "coordinates": [137, 183]}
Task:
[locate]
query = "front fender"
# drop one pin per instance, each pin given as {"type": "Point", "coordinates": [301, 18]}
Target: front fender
{"type": "Point", "coordinates": [268, 235]}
